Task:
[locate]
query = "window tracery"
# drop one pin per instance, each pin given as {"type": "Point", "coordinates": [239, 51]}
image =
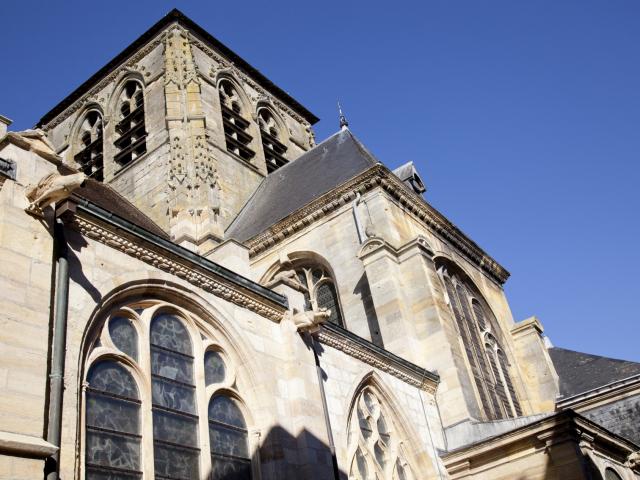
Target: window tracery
{"type": "Point", "coordinates": [274, 149]}
{"type": "Point", "coordinates": [488, 364]}
{"type": "Point", "coordinates": [130, 129]}
{"type": "Point", "coordinates": [320, 291]}
{"type": "Point", "coordinates": [375, 445]}
{"type": "Point", "coordinates": [90, 145]}
{"type": "Point", "coordinates": [166, 360]}
{"type": "Point", "coordinates": [236, 126]}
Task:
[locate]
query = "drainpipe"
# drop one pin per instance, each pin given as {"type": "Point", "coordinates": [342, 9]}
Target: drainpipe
{"type": "Point", "coordinates": [325, 410]}
{"type": "Point", "coordinates": [356, 217]}
{"type": "Point", "coordinates": [56, 377]}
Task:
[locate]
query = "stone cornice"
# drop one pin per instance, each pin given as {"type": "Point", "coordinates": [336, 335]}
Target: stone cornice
{"type": "Point", "coordinates": [116, 233]}
{"type": "Point", "coordinates": [365, 351]}
{"type": "Point", "coordinates": [566, 426]}
{"type": "Point", "coordinates": [129, 64]}
{"type": "Point", "coordinates": [379, 176]}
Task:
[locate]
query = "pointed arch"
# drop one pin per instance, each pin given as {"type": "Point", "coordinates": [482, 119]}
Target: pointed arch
{"type": "Point", "coordinates": [377, 428]}
{"type": "Point", "coordinates": [481, 339]}
{"type": "Point", "coordinates": [274, 136]}
{"type": "Point", "coordinates": [175, 329]}
{"type": "Point", "coordinates": [237, 120]}
{"type": "Point", "coordinates": [87, 141]}
{"type": "Point", "coordinates": [127, 107]}
{"type": "Point", "coordinates": [311, 274]}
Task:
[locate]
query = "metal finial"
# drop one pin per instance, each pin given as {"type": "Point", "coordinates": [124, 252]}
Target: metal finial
{"type": "Point", "coordinates": [343, 119]}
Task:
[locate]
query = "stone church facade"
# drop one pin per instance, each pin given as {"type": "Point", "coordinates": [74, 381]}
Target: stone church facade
{"type": "Point", "coordinates": [193, 288]}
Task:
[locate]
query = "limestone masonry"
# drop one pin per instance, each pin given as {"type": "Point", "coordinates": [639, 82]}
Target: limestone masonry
{"type": "Point", "coordinates": [193, 288]}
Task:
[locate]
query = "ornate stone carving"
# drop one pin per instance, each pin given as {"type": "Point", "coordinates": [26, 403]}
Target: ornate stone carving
{"type": "Point", "coordinates": [179, 65]}
{"type": "Point", "coordinates": [163, 260]}
{"type": "Point", "coordinates": [51, 189]}
{"type": "Point", "coordinates": [310, 320]}
{"type": "Point", "coordinates": [193, 189]}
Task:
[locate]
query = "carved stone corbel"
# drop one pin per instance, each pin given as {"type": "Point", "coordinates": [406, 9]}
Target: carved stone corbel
{"type": "Point", "coordinates": [52, 189]}
{"type": "Point", "coordinates": [310, 320]}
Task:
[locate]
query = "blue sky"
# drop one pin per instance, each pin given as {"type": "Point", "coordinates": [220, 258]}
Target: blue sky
{"type": "Point", "coordinates": [522, 116]}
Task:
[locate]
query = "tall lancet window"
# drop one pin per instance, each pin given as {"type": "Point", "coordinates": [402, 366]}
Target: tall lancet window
{"type": "Point", "coordinates": [175, 418]}
{"type": "Point", "coordinates": [274, 149]}
{"type": "Point", "coordinates": [236, 126]}
{"type": "Point", "coordinates": [162, 400]}
{"type": "Point", "coordinates": [479, 333]}
{"type": "Point", "coordinates": [89, 146]}
{"type": "Point", "coordinates": [131, 140]}
{"type": "Point", "coordinates": [112, 422]}
{"type": "Point", "coordinates": [320, 291]}
{"type": "Point", "coordinates": [374, 444]}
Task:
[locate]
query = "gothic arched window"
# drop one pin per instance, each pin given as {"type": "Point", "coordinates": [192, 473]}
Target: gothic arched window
{"type": "Point", "coordinates": [112, 422]}
{"type": "Point", "coordinates": [611, 474]}
{"type": "Point", "coordinates": [236, 126]}
{"type": "Point", "coordinates": [375, 443]}
{"type": "Point", "coordinates": [320, 291]}
{"type": "Point", "coordinates": [168, 386]}
{"type": "Point", "coordinates": [131, 140]}
{"type": "Point", "coordinates": [89, 145]}
{"type": "Point", "coordinates": [270, 132]}
{"type": "Point", "coordinates": [478, 331]}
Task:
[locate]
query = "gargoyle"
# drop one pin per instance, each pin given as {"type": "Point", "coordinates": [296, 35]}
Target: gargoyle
{"type": "Point", "coordinates": [51, 189]}
{"type": "Point", "coordinates": [310, 320]}
{"type": "Point", "coordinates": [634, 460]}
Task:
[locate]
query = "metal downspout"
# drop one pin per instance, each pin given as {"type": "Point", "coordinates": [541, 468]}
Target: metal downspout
{"type": "Point", "coordinates": [325, 410]}
{"type": "Point", "coordinates": [56, 377]}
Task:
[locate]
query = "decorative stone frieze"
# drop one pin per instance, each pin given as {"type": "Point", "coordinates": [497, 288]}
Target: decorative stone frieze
{"type": "Point", "coordinates": [160, 258]}
{"type": "Point", "coordinates": [368, 353]}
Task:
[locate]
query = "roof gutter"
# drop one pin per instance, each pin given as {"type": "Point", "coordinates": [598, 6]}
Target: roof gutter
{"type": "Point", "coordinates": [107, 217]}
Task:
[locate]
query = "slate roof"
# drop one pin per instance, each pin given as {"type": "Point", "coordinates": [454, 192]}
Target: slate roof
{"type": "Point", "coordinates": [329, 164]}
{"type": "Point", "coordinates": [107, 198]}
{"type": "Point", "coordinates": [580, 372]}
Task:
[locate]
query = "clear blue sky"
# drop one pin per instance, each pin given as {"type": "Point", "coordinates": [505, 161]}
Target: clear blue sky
{"type": "Point", "coordinates": [522, 116]}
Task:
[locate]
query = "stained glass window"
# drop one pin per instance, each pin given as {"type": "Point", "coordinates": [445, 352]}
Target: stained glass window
{"type": "Point", "coordinates": [377, 447]}
{"type": "Point", "coordinates": [124, 336]}
{"type": "Point", "coordinates": [228, 436]}
{"type": "Point", "coordinates": [175, 421]}
{"type": "Point", "coordinates": [114, 405]}
{"type": "Point", "coordinates": [113, 423]}
{"type": "Point", "coordinates": [214, 369]}
{"type": "Point", "coordinates": [320, 292]}
{"type": "Point", "coordinates": [488, 367]}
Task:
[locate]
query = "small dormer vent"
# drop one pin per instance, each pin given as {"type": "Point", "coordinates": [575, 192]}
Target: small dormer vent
{"type": "Point", "coordinates": [410, 177]}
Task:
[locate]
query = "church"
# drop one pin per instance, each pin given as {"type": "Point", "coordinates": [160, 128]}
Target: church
{"type": "Point", "coordinates": [194, 287]}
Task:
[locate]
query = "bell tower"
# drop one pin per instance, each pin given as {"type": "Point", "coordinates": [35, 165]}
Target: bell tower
{"type": "Point", "coordinates": [183, 128]}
